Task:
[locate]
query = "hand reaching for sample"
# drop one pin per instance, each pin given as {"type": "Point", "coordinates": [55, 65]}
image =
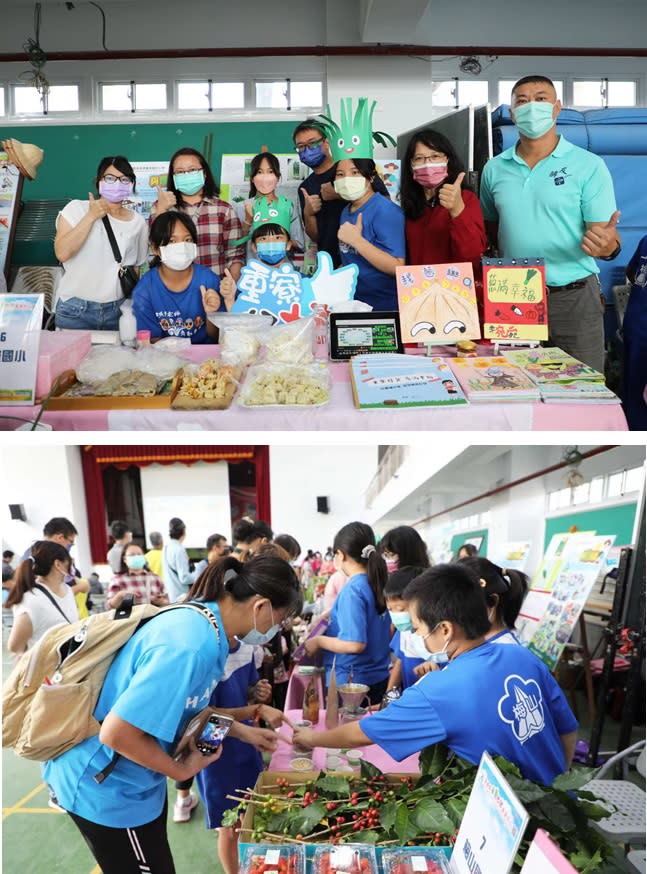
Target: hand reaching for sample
{"type": "Point", "coordinates": [451, 198]}
{"type": "Point", "coordinates": [274, 717]}
{"type": "Point", "coordinates": [98, 208]}
{"type": "Point", "coordinates": [165, 200]}
{"type": "Point", "coordinates": [264, 739]}
{"type": "Point", "coordinates": [228, 289]}
{"type": "Point", "coordinates": [601, 241]}
{"type": "Point", "coordinates": [210, 299]}
{"type": "Point", "coordinates": [312, 204]}
{"type": "Point", "coordinates": [350, 233]}
{"type": "Point", "coordinates": [305, 737]}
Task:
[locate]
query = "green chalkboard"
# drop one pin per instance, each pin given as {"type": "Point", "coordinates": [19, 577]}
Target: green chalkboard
{"type": "Point", "coordinates": [73, 152]}
{"type": "Point", "coordinates": [618, 520]}
{"type": "Point", "coordinates": [459, 539]}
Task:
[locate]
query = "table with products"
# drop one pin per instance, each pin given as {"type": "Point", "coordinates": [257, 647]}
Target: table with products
{"type": "Point", "coordinates": [339, 414]}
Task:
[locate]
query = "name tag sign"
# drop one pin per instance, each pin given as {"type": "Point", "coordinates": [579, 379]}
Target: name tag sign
{"type": "Point", "coordinates": [21, 317]}
{"type": "Point", "coordinates": [492, 827]}
{"type": "Point", "coordinates": [514, 291]}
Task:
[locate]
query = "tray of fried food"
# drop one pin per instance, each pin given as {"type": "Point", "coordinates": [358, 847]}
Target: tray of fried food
{"type": "Point", "coordinates": [207, 386]}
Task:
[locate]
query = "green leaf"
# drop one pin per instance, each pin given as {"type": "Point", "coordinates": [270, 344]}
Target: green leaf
{"type": "Point", "coordinates": [332, 785]}
{"type": "Point", "coordinates": [387, 815]}
{"type": "Point", "coordinates": [507, 767]}
{"type": "Point", "coordinates": [405, 829]}
{"type": "Point", "coordinates": [367, 770]}
{"type": "Point", "coordinates": [592, 810]}
{"type": "Point", "coordinates": [430, 816]}
{"type": "Point", "coordinates": [557, 813]}
{"type": "Point", "coordinates": [307, 818]}
{"type": "Point", "coordinates": [433, 759]}
{"type": "Point", "coordinates": [573, 779]}
{"type": "Point", "coordinates": [368, 836]}
{"type": "Point", "coordinates": [455, 807]}
{"type": "Point", "coordinates": [230, 817]}
{"type": "Point", "coordinates": [525, 790]}
{"type": "Point", "coordinates": [278, 821]}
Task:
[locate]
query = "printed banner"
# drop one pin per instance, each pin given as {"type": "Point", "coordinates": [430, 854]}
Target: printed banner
{"type": "Point", "coordinates": [514, 293]}
{"type": "Point", "coordinates": [9, 185]}
{"type": "Point", "coordinates": [21, 317]}
{"type": "Point", "coordinates": [437, 303]}
{"type": "Point", "coordinates": [148, 174]}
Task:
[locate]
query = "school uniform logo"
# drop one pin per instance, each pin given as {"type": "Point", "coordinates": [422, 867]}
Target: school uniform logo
{"type": "Point", "coordinates": [558, 176]}
{"type": "Point", "coordinates": [521, 707]}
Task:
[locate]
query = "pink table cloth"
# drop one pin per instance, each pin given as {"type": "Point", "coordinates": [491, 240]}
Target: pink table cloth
{"type": "Point", "coordinates": [372, 753]}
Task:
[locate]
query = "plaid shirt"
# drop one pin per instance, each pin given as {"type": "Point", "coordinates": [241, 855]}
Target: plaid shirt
{"type": "Point", "coordinates": [144, 586]}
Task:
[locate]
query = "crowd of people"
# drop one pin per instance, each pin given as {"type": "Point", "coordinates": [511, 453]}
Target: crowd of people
{"type": "Point", "coordinates": [422, 638]}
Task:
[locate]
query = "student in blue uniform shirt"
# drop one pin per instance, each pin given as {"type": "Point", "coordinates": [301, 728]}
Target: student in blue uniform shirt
{"type": "Point", "coordinates": [504, 592]}
{"type": "Point", "coordinates": [501, 699]}
{"type": "Point", "coordinates": [175, 297]}
{"type": "Point", "coordinates": [407, 657]}
{"type": "Point", "coordinates": [359, 629]}
{"type": "Point", "coordinates": [158, 681]}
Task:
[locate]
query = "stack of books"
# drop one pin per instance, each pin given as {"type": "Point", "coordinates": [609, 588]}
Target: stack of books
{"type": "Point", "coordinates": [393, 381]}
{"type": "Point", "coordinates": [562, 378]}
{"type": "Point", "coordinates": [493, 379]}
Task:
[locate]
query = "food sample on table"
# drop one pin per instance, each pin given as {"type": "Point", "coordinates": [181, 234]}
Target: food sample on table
{"type": "Point", "coordinates": [210, 385]}
{"type": "Point", "coordinates": [239, 346]}
{"type": "Point", "coordinates": [417, 860]}
{"type": "Point", "coordinates": [345, 859]}
{"type": "Point", "coordinates": [281, 385]}
{"type": "Point", "coordinates": [124, 383]}
{"type": "Point", "coordinates": [301, 763]}
{"type": "Point", "coordinates": [273, 859]}
{"type": "Point", "coordinates": [292, 343]}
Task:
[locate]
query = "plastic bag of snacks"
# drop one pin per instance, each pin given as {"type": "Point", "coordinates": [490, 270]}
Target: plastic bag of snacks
{"type": "Point", "coordinates": [240, 345]}
{"type": "Point", "coordinates": [415, 860]}
{"type": "Point", "coordinates": [207, 386]}
{"type": "Point", "coordinates": [270, 385]}
{"type": "Point", "coordinates": [291, 343]}
{"type": "Point", "coordinates": [275, 858]}
{"type": "Point", "coordinates": [345, 859]}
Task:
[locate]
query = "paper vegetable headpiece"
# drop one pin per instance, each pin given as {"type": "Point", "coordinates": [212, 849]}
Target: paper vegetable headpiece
{"type": "Point", "coordinates": [353, 136]}
{"type": "Point", "coordinates": [264, 212]}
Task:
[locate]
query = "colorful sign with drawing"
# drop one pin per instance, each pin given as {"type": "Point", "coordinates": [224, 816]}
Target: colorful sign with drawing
{"type": "Point", "coordinates": [437, 303]}
{"type": "Point", "coordinates": [9, 185]}
{"type": "Point", "coordinates": [21, 317]}
{"type": "Point", "coordinates": [287, 295]}
{"type": "Point", "coordinates": [514, 299]}
{"type": "Point", "coordinates": [149, 175]}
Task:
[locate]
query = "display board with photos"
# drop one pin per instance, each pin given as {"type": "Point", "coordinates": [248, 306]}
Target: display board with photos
{"type": "Point", "coordinates": [514, 299]}
{"type": "Point", "coordinates": [11, 181]}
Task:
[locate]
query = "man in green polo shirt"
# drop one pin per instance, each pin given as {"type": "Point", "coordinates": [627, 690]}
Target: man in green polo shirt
{"type": "Point", "coordinates": [545, 197]}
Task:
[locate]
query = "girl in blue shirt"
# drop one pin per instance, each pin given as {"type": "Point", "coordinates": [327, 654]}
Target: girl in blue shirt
{"type": "Point", "coordinates": [406, 658]}
{"type": "Point", "coordinates": [371, 233]}
{"type": "Point", "coordinates": [504, 593]}
{"type": "Point", "coordinates": [359, 629]}
{"type": "Point", "coordinates": [175, 297]}
{"type": "Point", "coordinates": [157, 682]}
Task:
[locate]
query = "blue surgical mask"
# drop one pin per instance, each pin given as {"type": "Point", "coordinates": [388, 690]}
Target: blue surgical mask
{"type": "Point", "coordinates": [189, 183]}
{"type": "Point", "coordinates": [272, 253]}
{"type": "Point", "coordinates": [312, 156]}
{"type": "Point", "coordinates": [136, 562]}
{"type": "Point", "coordinates": [401, 619]}
{"type": "Point", "coordinates": [418, 645]}
{"type": "Point", "coordinates": [534, 119]}
{"type": "Point", "coordinates": [439, 658]}
{"type": "Point", "coordinates": [259, 638]}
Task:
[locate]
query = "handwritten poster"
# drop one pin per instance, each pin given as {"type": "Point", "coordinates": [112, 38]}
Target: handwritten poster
{"type": "Point", "coordinates": [514, 292]}
{"type": "Point", "coordinates": [437, 303]}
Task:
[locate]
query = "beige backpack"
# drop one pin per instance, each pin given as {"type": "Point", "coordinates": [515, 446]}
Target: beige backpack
{"type": "Point", "coordinates": [50, 696]}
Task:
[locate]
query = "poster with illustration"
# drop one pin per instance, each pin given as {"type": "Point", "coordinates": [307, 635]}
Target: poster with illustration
{"type": "Point", "coordinates": [514, 293]}
{"type": "Point", "coordinates": [287, 295]}
{"type": "Point", "coordinates": [583, 559]}
{"type": "Point", "coordinates": [512, 555]}
{"type": "Point", "coordinates": [10, 187]}
{"type": "Point", "coordinates": [148, 175]}
{"type": "Point", "coordinates": [437, 303]}
{"type": "Point", "coordinates": [389, 172]}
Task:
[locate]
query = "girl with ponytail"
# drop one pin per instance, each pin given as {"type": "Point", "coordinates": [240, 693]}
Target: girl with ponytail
{"type": "Point", "coordinates": [504, 593]}
{"type": "Point", "coordinates": [359, 630]}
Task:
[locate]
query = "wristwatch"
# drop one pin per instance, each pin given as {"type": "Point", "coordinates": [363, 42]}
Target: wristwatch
{"type": "Point", "coordinates": [613, 255]}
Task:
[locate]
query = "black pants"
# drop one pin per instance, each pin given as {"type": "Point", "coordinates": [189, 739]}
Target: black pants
{"type": "Point", "coordinates": [376, 691]}
{"type": "Point", "coordinates": [141, 850]}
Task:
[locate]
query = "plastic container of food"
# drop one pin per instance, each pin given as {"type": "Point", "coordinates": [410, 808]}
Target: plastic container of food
{"type": "Point", "coordinates": [301, 763]}
{"type": "Point", "coordinates": [273, 859]}
{"type": "Point", "coordinates": [345, 859]}
{"type": "Point", "coordinates": [415, 860]}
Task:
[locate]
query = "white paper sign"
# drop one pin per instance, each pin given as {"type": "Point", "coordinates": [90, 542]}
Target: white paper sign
{"type": "Point", "coordinates": [545, 857]}
{"type": "Point", "coordinates": [21, 317]}
{"type": "Point", "coordinates": [492, 827]}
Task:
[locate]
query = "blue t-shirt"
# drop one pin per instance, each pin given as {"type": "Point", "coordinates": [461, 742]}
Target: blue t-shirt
{"type": "Point", "coordinates": [497, 698]}
{"type": "Point", "coordinates": [383, 226]}
{"type": "Point", "coordinates": [174, 313]}
{"type": "Point", "coordinates": [354, 617]}
{"type": "Point", "coordinates": [402, 648]}
{"type": "Point", "coordinates": [240, 763]}
{"type": "Point", "coordinates": [157, 682]}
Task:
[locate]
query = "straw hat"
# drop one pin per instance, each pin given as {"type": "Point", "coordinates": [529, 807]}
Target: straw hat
{"type": "Point", "coordinates": [25, 156]}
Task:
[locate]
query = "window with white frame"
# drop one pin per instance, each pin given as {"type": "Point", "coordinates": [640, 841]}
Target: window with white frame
{"type": "Point", "coordinates": [288, 94]}
{"type": "Point", "coordinates": [462, 92]}
{"type": "Point", "coordinates": [603, 92]}
{"type": "Point", "coordinates": [208, 95]}
{"type": "Point", "coordinates": [598, 490]}
{"type": "Point", "coordinates": [506, 85]}
{"type": "Point", "coordinates": [27, 100]}
{"type": "Point", "coordinates": [132, 96]}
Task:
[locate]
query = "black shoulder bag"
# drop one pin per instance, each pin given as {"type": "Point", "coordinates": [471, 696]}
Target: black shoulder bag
{"type": "Point", "coordinates": [128, 276]}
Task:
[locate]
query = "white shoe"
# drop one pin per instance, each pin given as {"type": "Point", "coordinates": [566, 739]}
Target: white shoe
{"type": "Point", "coordinates": [183, 808]}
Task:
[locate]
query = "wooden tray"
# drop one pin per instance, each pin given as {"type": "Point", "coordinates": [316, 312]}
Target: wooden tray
{"type": "Point", "coordinates": [66, 380]}
{"type": "Point", "coordinates": [179, 402]}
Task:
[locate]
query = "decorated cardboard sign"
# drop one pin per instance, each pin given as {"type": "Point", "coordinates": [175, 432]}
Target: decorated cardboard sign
{"type": "Point", "coordinates": [514, 292]}
{"type": "Point", "coordinates": [286, 295]}
{"type": "Point", "coordinates": [437, 303]}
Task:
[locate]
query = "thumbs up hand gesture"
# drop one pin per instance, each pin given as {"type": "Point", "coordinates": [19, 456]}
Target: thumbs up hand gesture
{"type": "Point", "coordinates": [451, 198]}
{"type": "Point", "coordinates": [350, 233]}
{"type": "Point", "coordinates": [228, 289]}
{"type": "Point", "coordinates": [312, 203]}
{"type": "Point", "coordinates": [165, 200]}
{"type": "Point", "coordinates": [98, 208]}
{"type": "Point", "coordinates": [210, 299]}
{"type": "Point", "coordinates": [602, 240]}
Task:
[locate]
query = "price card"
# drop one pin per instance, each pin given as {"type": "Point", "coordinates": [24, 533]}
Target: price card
{"type": "Point", "coordinates": [492, 827]}
{"type": "Point", "coordinates": [21, 317]}
{"type": "Point", "coordinates": [514, 297]}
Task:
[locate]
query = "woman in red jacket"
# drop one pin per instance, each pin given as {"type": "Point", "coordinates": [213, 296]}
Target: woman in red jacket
{"type": "Point", "coordinates": [444, 222]}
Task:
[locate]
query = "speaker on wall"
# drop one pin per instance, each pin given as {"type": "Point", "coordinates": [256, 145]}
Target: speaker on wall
{"type": "Point", "coordinates": [17, 511]}
{"type": "Point", "coordinates": [322, 505]}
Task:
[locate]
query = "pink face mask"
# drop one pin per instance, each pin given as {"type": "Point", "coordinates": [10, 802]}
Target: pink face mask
{"type": "Point", "coordinates": [265, 182]}
{"type": "Point", "coordinates": [430, 175]}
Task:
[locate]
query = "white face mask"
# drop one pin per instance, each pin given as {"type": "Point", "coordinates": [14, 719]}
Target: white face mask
{"type": "Point", "coordinates": [178, 256]}
{"type": "Point", "coordinates": [351, 188]}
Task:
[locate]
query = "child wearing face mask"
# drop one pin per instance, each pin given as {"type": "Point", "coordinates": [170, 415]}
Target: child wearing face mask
{"type": "Point", "coordinates": [174, 298]}
{"type": "Point", "coordinates": [135, 578]}
{"type": "Point", "coordinates": [444, 222]}
{"type": "Point", "coordinates": [405, 653]}
{"type": "Point", "coordinates": [89, 294]}
{"type": "Point", "coordinates": [371, 233]}
{"type": "Point", "coordinates": [264, 179]}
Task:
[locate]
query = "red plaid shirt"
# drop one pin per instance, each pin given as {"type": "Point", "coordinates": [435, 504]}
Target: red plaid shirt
{"type": "Point", "coordinates": [144, 586]}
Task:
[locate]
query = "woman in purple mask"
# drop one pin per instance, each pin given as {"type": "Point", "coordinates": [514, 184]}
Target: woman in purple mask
{"type": "Point", "coordinates": [444, 222]}
{"type": "Point", "coordinates": [89, 294]}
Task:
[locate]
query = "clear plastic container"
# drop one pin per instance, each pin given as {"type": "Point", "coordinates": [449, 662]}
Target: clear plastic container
{"type": "Point", "coordinates": [415, 860]}
{"type": "Point", "coordinates": [345, 859]}
{"type": "Point", "coordinates": [273, 859]}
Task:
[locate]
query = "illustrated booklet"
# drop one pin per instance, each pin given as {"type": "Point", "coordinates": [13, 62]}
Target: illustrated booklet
{"type": "Point", "coordinates": [392, 381]}
{"type": "Point", "coordinates": [493, 379]}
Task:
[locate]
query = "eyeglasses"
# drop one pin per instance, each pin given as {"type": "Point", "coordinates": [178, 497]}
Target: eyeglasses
{"type": "Point", "coordinates": [311, 145]}
{"type": "Point", "coordinates": [111, 180]}
{"type": "Point", "coordinates": [184, 172]}
{"type": "Point", "coordinates": [419, 160]}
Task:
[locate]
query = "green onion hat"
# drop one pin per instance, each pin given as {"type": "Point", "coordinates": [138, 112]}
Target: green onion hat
{"type": "Point", "coordinates": [278, 212]}
{"type": "Point", "coordinates": [353, 136]}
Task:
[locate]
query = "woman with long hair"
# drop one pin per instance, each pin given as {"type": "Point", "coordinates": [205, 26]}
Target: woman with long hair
{"type": "Point", "coordinates": [403, 546]}
{"type": "Point", "coordinates": [504, 592]}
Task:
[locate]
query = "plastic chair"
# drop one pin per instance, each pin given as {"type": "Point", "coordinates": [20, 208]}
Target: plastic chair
{"type": "Point", "coordinates": [638, 860]}
{"type": "Point", "coordinates": [626, 824]}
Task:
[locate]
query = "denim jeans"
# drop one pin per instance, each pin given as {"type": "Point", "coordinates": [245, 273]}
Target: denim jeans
{"type": "Point", "coordinates": [87, 315]}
